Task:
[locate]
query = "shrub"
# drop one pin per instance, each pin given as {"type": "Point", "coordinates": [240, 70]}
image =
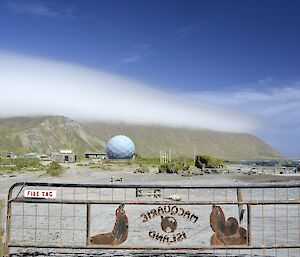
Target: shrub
{"type": "Point", "coordinates": [208, 161]}
{"type": "Point", "coordinates": [54, 169]}
{"type": "Point", "coordinates": [21, 164]}
{"type": "Point", "coordinates": [174, 167]}
{"type": "Point", "coordinates": [285, 163]}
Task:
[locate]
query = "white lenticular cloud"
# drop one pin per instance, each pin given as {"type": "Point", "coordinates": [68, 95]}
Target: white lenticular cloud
{"type": "Point", "coordinates": [36, 86]}
{"type": "Point", "coordinates": [278, 106]}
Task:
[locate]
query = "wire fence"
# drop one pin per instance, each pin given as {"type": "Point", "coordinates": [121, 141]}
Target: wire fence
{"type": "Point", "coordinates": [106, 220]}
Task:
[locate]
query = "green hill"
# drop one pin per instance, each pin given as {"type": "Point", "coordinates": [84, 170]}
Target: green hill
{"type": "Point", "coordinates": [44, 135]}
{"type": "Point", "coordinates": [149, 140]}
{"type": "Point", "coordinates": [51, 133]}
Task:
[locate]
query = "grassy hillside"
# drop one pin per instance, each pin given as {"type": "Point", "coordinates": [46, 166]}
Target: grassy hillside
{"type": "Point", "coordinates": [149, 140]}
{"type": "Point", "coordinates": [44, 135]}
{"type": "Point", "coordinates": [51, 133]}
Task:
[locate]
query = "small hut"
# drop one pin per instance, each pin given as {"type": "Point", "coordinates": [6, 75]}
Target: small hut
{"type": "Point", "coordinates": [95, 155]}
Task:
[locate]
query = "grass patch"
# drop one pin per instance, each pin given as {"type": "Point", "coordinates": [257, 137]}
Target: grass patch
{"type": "Point", "coordinates": [125, 162]}
{"type": "Point", "coordinates": [82, 164]}
{"type": "Point", "coordinates": [137, 161]}
{"type": "Point", "coordinates": [20, 164]}
{"type": "Point", "coordinates": [174, 167]}
{"type": "Point", "coordinates": [147, 161]}
{"type": "Point", "coordinates": [101, 166]}
{"type": "Point", "coordinates": [54, 169]}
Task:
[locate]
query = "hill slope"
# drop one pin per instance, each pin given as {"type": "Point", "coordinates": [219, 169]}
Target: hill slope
{"type": "Point", "coordinates": [45, 134]}
{"type": "Point", "coordinates": [51, 133]}
{"type": "Point", "coordinates": [149, 140]}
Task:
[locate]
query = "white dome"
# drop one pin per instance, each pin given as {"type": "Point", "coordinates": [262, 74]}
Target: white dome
{"type": "Point", "coordinates": [120, 147]}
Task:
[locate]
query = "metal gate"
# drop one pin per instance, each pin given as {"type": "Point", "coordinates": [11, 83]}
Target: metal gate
{"type": "Point", "coordinates": [91, 219]}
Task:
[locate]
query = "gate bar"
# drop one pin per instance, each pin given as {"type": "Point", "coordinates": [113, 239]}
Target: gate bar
{"type": "Point", "coordinates": [131, 202]}
{"type": "Point", "coordinates": [235, 186]}
{"type": "Point", "coordinates": [228, 247]}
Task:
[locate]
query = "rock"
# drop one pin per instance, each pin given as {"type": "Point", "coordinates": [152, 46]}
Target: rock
{"type": "Point", "coordinates": [215, 171]}
{"type": "Point", "coordinates": [175, 197]}
{"type": "Point", "coordinates": [142, 169]}
{"type": "Point", "coordinates": [115, 179]}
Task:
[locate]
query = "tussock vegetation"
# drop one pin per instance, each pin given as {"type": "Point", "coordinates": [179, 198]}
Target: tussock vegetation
{"type": "Point", "coordinates": [20, 164]}
{"type": "Point", "coordinates": [174, 167]}
{"type": "Point", "coordinates": [54, 169]}
{"type": "Point", "coordinates": [209, 161]}
{"type": "Point", "coordinates": [82, 164]}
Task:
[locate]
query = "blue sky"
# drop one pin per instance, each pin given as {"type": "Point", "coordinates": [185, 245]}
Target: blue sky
{"type": "Point", "coordinates": [242, 55]}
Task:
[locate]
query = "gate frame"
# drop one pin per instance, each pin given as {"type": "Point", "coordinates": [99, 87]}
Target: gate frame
{"type": "Point", "coordinates": [88, 203]}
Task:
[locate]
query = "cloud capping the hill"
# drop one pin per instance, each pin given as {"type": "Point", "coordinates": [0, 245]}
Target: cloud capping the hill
{"type": "Point", "coordinates": [37, 86]}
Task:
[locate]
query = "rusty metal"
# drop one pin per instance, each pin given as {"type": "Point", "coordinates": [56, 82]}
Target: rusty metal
{"type": "Point", "coordinates": [119, 233]}
{"type": "Point", "coordinates": [249, 224]}
{"type": "Point", "coordinates": [212, 214]}
{"type": "Point", "coordinates": [88, 224]}
{"type": "Point", "coordinates": [233, 247]}
{"type": "Point", "coordinates": [227, 232]}
{"type": "Point", "coordinates": [1, 228]}
{"type": "Point", "coordinates": [168, 224]}
{"type": "Point", "coordinates": [130, 202]}
{"type": "Point", "coordinates": [8, 221]}
{"type": "Point", "coordinates": [134, 186]}
{"type": "Point", "coordinates": [240, 206]}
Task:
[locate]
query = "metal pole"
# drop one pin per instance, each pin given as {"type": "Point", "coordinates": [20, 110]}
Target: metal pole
{"type": "Point", "coordinates": [160, 157]}
{"type": "Point", "coordinates": [240, 206]}
{"type": "Point", "coordinates": [88, 223]}
{"type": "Point", "coordinates": [194, 153]}
{"type": "Point", "coordinates": [8, 222]}
{"type": "Point", "coordinates": [249, 224]}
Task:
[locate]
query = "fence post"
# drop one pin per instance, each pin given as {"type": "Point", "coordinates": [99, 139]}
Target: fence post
{"type": "Point", "coordinates": [8, 221]}
{"type": "Point", "coordinates": [88, 223]}
{"type": "Point", "coordinates": [249, 225]}
{"type": "Point", "coordinates": [1, 227]}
